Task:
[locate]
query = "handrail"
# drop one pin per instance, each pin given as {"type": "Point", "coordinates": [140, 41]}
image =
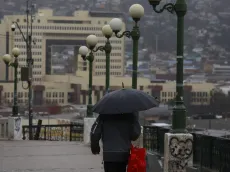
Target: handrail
{"type": "Point", "coordinates": [208, 151]}
{"type": "Point", "coordinates": [56, 132]}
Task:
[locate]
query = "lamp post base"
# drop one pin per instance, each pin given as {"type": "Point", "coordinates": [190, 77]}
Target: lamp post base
{"type": "Point", "coordinates": [179, 119]}
{"type": "Point", "coordinates": [15, 128]}
{"type": "Point", "coordinates": [89, 110]}
{"type": "Point", "coordinates": [178, 152]}
{"type": "Point", "coordinates": [88, 122]}
{"type": "Point", "coordinates": [15, 111]}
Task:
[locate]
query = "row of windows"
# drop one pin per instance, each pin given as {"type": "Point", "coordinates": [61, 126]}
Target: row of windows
{"type": "Point", "coordinates": [20, 94]}
{"type": "Point", "coordinates": [54, 101]}
{"type": "Point", "coordinates": [10, 101]}
{"type": "Point", "coordinates": [38, 21]}
{"type": "Point", "coordinates": [18, 20]}
{"type": "Point", "coordinates": [25, 101]}
{"type": "Point", "coordinates": [58, 34]}
{"type": "Point", "coordinates": [199, 94]}
{"type": "Point", "coordinates": [34, 72]}
{"type": "Point", "coordinates": [24, 33]}
{"type": "Point", "coordinates": [22, 40]}
{"type": "Point", "coordinates": [25, 94]}
{"type": "Point", "coordinates": [111, 67]}
{"type": "Point", "coordinates": [41, 34]}
{"type": "Point", "coordinates": [37, 79]}
{"type": "Point", "coordinates": [194, 94]}
{"type": "Point", "coordinates": [62, 28]}
{"type": "Point", "coordinates": [112, 60]}
{"type": "Point", "coordinates": [111, 73]}
{"type": "Point", "coordinates": [169, 94]}
{"type": "Point", "coordinates": [105, 22]}
{"type": "Point", "coordinates": [37, 66]}
{"type": "Point", "coordinates": [111, 54]}
{"type": "Point", "coordinates": [33, 46]}
{"type": "Point", "coordinates": [55, 94]}
{"type": "Point", "coordinates": [33, 53]}
{"type": "Point", "coordinates": [33, 79]}
{"type": "Point", "coordinates": [37, 59]}
{"type": "Point", "coordinates": [116, 48]}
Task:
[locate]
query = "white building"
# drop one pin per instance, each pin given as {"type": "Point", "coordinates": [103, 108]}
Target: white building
{"type": "Point", "coordinates": [221, 69]}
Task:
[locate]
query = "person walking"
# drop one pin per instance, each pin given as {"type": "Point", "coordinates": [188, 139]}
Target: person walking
{"type": "Point", "coordinates": [116, 132]}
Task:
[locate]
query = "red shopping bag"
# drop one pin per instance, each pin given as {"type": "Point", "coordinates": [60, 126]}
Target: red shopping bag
{"type": "Point", "coordinates": [137, 160]}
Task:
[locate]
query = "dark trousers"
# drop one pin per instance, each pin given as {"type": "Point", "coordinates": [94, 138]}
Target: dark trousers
{"type": "Point", "coordinates": [115, 166]}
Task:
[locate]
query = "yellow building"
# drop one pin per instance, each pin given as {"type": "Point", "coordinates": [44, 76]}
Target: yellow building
{"type": "Point", "coordinates": [56, 38]}
{"type": "Point", "coordinates": [64, 89]}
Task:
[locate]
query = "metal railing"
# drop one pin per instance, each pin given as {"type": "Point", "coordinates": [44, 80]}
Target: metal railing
{"type": "Point", "coordinates": [60, 132]}
{"type": "Point", "coordinates": [208, 151]}
{"type": "Point", "coordinates": [4, 128]}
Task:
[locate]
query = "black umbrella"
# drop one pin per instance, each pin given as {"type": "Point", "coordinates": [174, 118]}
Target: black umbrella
{"type": "Point", "coordinates": [124, 101]}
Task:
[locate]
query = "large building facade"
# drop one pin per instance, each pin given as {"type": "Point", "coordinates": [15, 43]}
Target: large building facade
{"type": "Point", "coordinates": [64, 89]}
{"type": "Point", "coordinates": [61, 76]}
{"type": "Point", "coordinates": [56, 40]}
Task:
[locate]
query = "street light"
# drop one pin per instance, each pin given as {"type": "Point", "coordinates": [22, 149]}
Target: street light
{"type": "Point", "coordinates": [8, 61]}
{"type": "Point", "coordinates": [136, 11]}
{"type": "Point", "coordinates": [91, 42]}
{"type": "Point", "coordinates": [13, 27]}
{"type": "Point", "coordinates": [179, 110]}
{"type": "Point", "coordinates": [107, 32]}
{"type": "Point", "coordinates": [26, 72]}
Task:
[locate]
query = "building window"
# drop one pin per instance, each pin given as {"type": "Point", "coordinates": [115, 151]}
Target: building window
{"type": "Point", "coordinates": [60, 94]}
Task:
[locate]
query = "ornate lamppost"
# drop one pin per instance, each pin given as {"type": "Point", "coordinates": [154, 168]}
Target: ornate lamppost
{"type": "Point", "coordinates": [8, 61]}
{"type": "Point", "coordinates": [27, 72]}
{"type": "Point", "coordinates": [136, 11]}
{"type": "Point", "coordinates": [179, 133]}
{"type": "Point", "coordinates": [179, 110]}
{"type": "Point", "coordinates": [107, 32]}
{"type": "Point", "coordinates": [91, 42]}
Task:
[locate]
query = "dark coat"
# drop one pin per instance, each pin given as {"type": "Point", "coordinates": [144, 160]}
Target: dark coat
{"type": "Point", "coordinates": [116, 132]}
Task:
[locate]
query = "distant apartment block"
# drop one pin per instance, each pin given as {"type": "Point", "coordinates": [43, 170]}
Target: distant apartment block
{"type": "Point", "coordinates": [221, 69]}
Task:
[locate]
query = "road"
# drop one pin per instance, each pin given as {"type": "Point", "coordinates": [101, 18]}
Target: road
{"type": "Point", "coordinates": [42, 156]}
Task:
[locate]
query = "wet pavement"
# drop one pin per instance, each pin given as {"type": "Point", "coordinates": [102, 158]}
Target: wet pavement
{"type": "Point", "coordinates": [47, 156]}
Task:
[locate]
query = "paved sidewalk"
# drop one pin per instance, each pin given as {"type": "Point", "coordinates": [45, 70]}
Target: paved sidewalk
{"type": "Point", "coordinates": [44, 156]}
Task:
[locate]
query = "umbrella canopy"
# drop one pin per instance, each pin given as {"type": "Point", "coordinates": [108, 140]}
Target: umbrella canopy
{"type": "Point", "coordinates": [157, 111]}
{"type": "Point", "coordinates": [125, 101]}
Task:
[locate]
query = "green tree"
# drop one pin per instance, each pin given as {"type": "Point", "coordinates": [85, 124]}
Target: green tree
{"type": "Point", "coordinates": [219, 102]}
